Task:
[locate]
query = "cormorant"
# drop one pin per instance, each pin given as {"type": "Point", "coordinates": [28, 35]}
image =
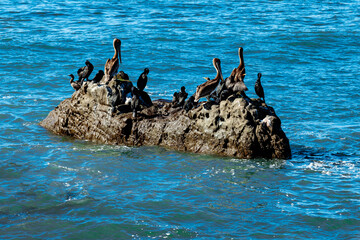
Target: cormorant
{"type": "Point", "coordinates": [189, 104]}
{"type": "Point", "coordinates": [259, 90]}
{"type": "Point", "coordinates": [85, 72]}
{"type": "Point", "coordinates": [142, 80]}
{"type": "Point", "coordinates": [75, 85]}
{"type": "Point", "coordinates": [134, 101]}
{"type": "Point", "coordinates": [99, 75]}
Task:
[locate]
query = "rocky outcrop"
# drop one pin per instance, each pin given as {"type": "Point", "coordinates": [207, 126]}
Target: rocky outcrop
{"type": "Point", "coordinates": [237, 127]}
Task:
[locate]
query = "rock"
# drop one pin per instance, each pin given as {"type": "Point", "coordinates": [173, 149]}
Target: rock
{"type": "Point", "coordinates": [237, 127]}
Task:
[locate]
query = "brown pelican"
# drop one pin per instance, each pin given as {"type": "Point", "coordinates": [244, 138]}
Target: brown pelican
{"type": "Point", "coordinates": [142, 81]}
{"type": "Point", "coordinates": [112, 65]}
{"type": "Point", "coordinates": [75, 85]}
{"type": "Point", "coordinates": [205, 89]}
{"type": "Point", "coordinates": [236, 80]}
{"type": "Point", "coordinates": [98, 77]}
{"type": "Point", "coordinates": [259, 90]}
{"type": "Point", "coordinates": [85, 72]}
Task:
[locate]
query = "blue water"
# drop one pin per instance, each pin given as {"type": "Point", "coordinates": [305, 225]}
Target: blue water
{"type": "Point", "coordinates": [54, 187]}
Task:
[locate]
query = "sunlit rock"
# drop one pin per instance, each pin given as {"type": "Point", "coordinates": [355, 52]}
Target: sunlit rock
{"type": "Point", "coordinates": [237, 127]}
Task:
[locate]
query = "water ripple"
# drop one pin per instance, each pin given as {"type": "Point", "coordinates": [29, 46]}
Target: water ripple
{"type": "Point", "coordinates": [58, 187]}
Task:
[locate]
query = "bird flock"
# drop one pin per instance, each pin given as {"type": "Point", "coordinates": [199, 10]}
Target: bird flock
{"type": "Point", "coordinates": [215, 90]}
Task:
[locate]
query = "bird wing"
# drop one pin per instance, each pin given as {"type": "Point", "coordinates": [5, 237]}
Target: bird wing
{"type": "Point", "coordinates": [205, 89]}
{"type": "Point", "coordinates": [80, 70]}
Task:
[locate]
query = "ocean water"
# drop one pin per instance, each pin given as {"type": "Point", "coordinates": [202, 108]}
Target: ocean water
{"type": "Point", "coordinates": [56, 187]}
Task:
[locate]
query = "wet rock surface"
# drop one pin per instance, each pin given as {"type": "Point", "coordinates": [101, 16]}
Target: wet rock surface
{"type": "Point", "coordinates": [237, 127]}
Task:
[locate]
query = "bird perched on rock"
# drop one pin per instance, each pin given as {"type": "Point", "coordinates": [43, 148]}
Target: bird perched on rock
{"type": "Point", "coordinates": [235, 82]}
{"type": "Point", "coordinates": [179, 98]}
{"type": "Point", "coordinates": [125, 85]}
{"type": "Point", "coordinates": [85, 72]}
{"type": "Point", "coordinates": [145, 99]}
{"type": "Point", "coordinates": [205, 89]}
{"type": "Point", "coordinates": [142, 80]}
{"type": "Point", "coordinates": [112, 65]}
{"type": "Point", "coordinates": [75, 85]}
{"type": "Point", "coordinates": [135, 101]}
{"type": "Point", "coordinates": [99, 75]}
{"type": "Point", "coordinates": [259, 90]}
{"type": "Point", "coordinates": [122, 76]}
{"type": "Point", "coordinates": [189, 104]}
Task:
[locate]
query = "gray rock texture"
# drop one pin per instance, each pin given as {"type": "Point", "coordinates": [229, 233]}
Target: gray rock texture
{"type": "Point", "coordinates": [237, 127]}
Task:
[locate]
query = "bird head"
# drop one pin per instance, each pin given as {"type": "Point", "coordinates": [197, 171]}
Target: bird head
{"type": "Point", "coordinates": [117, 46]}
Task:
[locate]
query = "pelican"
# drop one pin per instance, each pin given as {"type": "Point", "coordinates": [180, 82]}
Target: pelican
{"type": "Point", "coordinates": [112, 65]}
{"type": "Point", "coordinates": [142, 81]}
{"type": "Point", "coordinates": [205, 89]}
{"type": "Point", "coordinates": [236, 80]}
{"type": "Point", "coordinates": [259, 90]}
{"type": "Point", "coordinates": [75, 85]}
{"type": "Point", "coordinates": [85, 72]}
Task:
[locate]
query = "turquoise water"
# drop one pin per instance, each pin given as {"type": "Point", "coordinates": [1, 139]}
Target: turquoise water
{"type": "Point", "coordinates": [54, 187]}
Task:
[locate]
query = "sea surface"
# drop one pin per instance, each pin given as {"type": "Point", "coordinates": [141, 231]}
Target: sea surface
{"type": "Point", "coordinates": [56, 187]}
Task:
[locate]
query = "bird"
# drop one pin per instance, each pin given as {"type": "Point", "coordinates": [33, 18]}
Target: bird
{"type": "Point", "coordinates": [112, 65]}
{"type": "Point", "coordinates": [205, 89]}
{"type": "Point", "coordinates": [85, 72]}
{"type": "Point", "coordinates": [182, 96]}
{"type": "Point", "coordinates": [125, 85]}
{"type": "Point", "coordinates": [142, 80]}
{"type": "Point", "coordinates": [175, 99]}
{"type": "Point", "coordinates": [235, 82]}
{"type": "Point", "coordinates": [145, 99]}
{"type": "Point", "coordinates": [122, 76]}
{"type": "Point", "coordinates": [134, 101]}
{"type": "Point", "coordinates": [259, 90]}
{"type": "Point", "coordinates": [179, 98]}
{"type": "Point", "coordinates": [99, 75]}
{"type": "Point", "coordinates": [189, 104]}
{"type": "Point", "coordinates": [75, 85]}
